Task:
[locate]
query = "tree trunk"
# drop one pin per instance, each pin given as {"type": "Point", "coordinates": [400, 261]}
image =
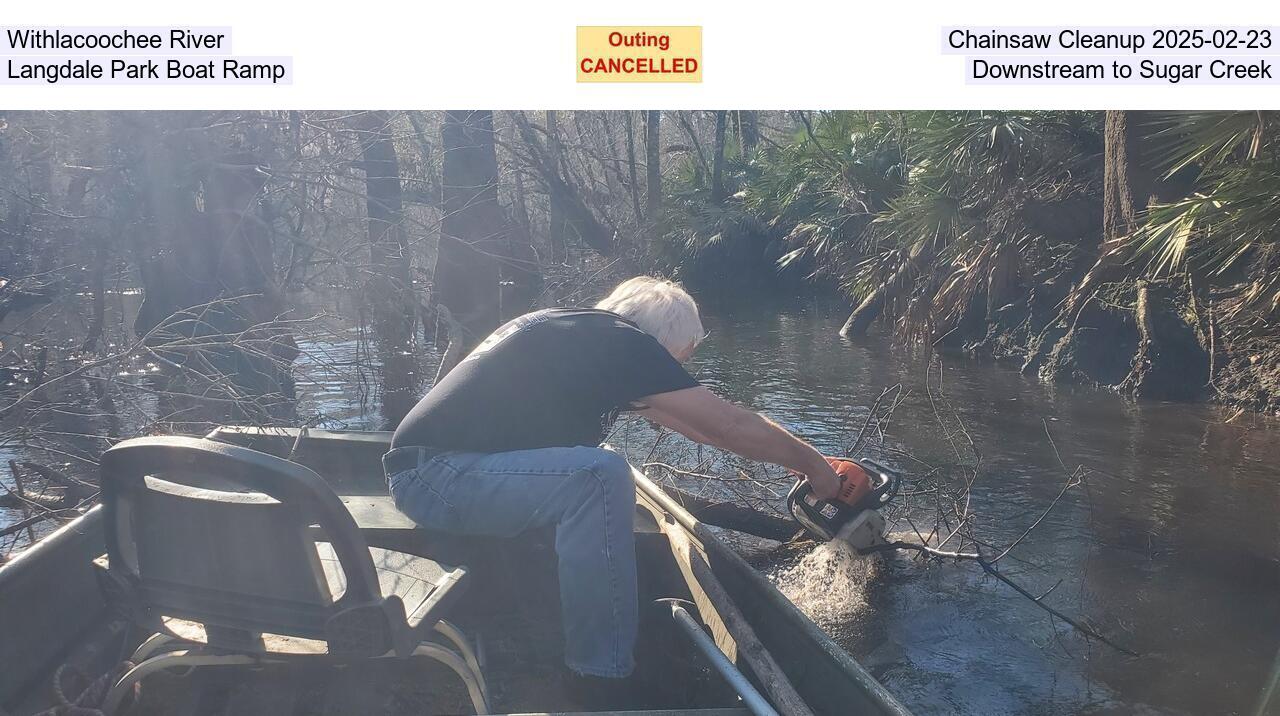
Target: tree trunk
{"type": "Point", "coordinates": [717, 160]}
{"type": "Point", "coordinates": [1127, 188]}
{"type": "Point", "coordinates": [473, 231]}
{"type": "Point", "coordinates": [40, 221]}
{"type": "Point", "coordinates": [207, 266]}
{"type": "Point", "coordinates": [748, 131]}
{"type": "Point", "coordinates": [615, 179]}
{"type": "Point", "coordinates": [1003, 279]}
{"type": "Point", "coordinates": [76, 190]}
{"type": "Point", "coordinates": [559, 228]}
{"type": "Point", "coordinates": [864, 314]}
{"type": "Point", "coordinates": [519, 272]}
{"type": "Point", "coordinates": [389, 290]}
{"type": "Point", "coordinates": [872, 306]}
{"type": "Point", "coordinates": [1169, 363]}
{"type": "Point", "coordinates": [631, 166]}
{"type": "Point", "coordinates": [653, 166]}
{"type": "Point", "coordinates": [1125, 185]}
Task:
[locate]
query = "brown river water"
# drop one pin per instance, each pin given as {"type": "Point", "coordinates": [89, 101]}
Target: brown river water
{"type": "Point", "coordinates": [1172, 547]}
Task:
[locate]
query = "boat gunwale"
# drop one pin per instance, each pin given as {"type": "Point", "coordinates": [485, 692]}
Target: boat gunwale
{"type": "Point", "coordinates": [658, 500]}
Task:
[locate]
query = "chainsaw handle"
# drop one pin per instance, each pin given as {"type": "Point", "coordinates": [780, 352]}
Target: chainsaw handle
{"type": "Point", "coordinates": [884, 492]}
{"type": "Point", "coordinates": [806, 510]}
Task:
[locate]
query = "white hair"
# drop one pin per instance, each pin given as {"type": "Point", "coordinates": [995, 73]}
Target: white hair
{"type": "Point", "coordinates": [660, 308]}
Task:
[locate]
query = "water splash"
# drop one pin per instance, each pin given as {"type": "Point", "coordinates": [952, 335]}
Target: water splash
{"type": "Point", "coordinates": [829, 584]}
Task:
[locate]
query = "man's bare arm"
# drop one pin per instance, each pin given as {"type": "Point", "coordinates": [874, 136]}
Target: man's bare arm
{"type": "Point", "coordinates": [701, 415]}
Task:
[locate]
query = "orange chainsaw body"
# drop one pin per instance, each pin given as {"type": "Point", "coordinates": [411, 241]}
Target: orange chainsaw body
{"type": "Point", "coordinates": [864, 485]}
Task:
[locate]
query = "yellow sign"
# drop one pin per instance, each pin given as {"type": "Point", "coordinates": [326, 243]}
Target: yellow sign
{"type": "Point", "coordinates": [631, 53]}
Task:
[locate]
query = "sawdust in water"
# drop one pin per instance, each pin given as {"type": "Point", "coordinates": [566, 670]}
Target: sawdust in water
{"type": "Point", "coordinates": [830, 583]}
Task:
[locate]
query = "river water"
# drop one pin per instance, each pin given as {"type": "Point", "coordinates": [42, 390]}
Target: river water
{"type": "Point", "coordinates": [1172, 546]}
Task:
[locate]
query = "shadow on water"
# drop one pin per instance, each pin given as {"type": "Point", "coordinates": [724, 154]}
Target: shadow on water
{"type": "Point", "coordinates": [1172, 545]}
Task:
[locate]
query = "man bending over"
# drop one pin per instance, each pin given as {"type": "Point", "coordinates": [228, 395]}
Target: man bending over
{"type": "Point", "coordinates": [509, 440]}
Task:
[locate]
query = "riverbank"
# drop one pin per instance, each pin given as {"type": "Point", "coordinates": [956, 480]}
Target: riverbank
{"type": "Point", "coordinates": [1167, 348]}
{"type": "Point", "coordinates": [1142, 339]}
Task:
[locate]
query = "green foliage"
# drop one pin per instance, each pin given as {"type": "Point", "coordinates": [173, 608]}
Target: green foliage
{"type": "Point", "coordinates": [1228, 230]}
{"type": "Point", "coordinates": [700, 235]}
{"type": "Point", "coordinates": [923, 205]}
{"type": "Point", "coordinates": [948, 214]}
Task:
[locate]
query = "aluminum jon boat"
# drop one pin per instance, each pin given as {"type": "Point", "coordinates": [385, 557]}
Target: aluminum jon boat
{"type": "Point", "coordinates": [717, 639]}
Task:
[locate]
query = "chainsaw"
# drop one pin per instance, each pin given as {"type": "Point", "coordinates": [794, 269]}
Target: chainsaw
{"type": "Point", "coordinates": [853, 515]}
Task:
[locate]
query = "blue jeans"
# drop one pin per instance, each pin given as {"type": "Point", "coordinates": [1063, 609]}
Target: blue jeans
{"type": "Point", "coordinates": [586, 493]}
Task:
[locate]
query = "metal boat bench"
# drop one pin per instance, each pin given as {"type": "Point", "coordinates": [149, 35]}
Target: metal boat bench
{"type": "Point", "coordinates": [232, 556]}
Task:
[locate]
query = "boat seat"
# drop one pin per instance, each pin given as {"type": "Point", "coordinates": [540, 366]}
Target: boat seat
{"type": "Point", "coordinates": [232, 556]}
{"type": "Point", "coordinates": [418, 582]}
{"type": "Point", "coordinates": [376, 512]}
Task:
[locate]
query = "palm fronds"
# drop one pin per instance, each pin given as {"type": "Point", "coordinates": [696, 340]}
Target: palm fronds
{"type": "Point", "coordinates": [1228, 230]}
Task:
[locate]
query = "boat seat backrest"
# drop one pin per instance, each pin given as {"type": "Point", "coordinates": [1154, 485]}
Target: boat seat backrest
{"type": "Point", "coordinates": [222, 535]}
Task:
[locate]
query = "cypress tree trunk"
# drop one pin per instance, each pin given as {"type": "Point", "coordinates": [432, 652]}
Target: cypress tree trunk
{"type": "Point", "coordinates": [207, 267]}
{"type": "Point", "coordinates": [559, 229]}
{"type": "Point", "coordinates": [389, 290]}
{"type": "Point", "coordinates": [1127, 185]}
{"type": "Point", "coordinates": [631, 166]}
{"type": "Point", "coordinates": [748, 130]}
{"type": "Point", "coordinates": [653, 165]}
{"type": "Point", "coordinates": [1151, 351]}
{"type": "Point", "coordinates": [1127, 188]}
{"type": "Point", "coordinates": [717, 161]}
{"type": "Point", "coordinates": [473, 231]}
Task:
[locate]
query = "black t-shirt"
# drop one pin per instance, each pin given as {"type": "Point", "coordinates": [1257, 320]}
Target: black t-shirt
{"type": "Point", "coordinates": [551, 378]}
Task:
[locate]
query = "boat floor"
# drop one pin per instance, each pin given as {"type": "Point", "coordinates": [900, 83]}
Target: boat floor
{"type": "Point", "coordinates": [511, 607]}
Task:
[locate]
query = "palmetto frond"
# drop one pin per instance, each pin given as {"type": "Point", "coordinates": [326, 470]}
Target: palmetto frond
{"type": "Point", "coordinates": [1228, 229]}
{"type": "Point", "coordinates": [1218, 230]}
{"type": "Point", "coordinates": [1208, 139]}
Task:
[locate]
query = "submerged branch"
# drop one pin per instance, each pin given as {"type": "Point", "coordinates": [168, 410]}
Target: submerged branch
{"type": "Point", "coordinates": [989, 567]}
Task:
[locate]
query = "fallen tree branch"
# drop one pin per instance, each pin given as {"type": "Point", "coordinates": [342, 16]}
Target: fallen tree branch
{"type": "Point", "coordinates": [733, 516]}
{"type": "Point", "coordinates": [57, 477]}
{"type": "Point", "coordinates": [991, 569]}
{"type": "Point", "coordinates": [29, 522]}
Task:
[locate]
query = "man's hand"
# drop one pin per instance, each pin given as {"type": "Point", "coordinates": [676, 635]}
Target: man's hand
{"type": "Point", "coordinates": [824, 481]}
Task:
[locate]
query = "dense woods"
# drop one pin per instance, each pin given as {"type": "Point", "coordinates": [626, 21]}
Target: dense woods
{"type": "Point", "coordinates": [158, 269]}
